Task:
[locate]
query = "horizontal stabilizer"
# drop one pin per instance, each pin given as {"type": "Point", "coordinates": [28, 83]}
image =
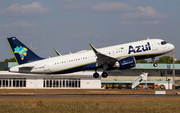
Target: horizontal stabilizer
{"type": "Point", "coordinates": [25, 68]}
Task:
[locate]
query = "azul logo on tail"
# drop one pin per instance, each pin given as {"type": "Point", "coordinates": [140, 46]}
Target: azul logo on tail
{"type": "Point", "coordinates": [22, 51]}
{"type": "Point", "coordinates": [139, 48]}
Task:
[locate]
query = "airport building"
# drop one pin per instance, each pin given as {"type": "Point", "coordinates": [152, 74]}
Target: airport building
{"type": "Point", "coordinates": [80, 80]}
{"type": "Point", "coordinates": [117, 79]}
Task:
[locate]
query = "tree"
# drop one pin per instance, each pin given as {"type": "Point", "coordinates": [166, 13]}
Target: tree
{"type": "Point", "coordinates": [9, 60]}
{"type": "Point", "coordinates": [165, 60]}
{"type": "Point", "coordinates": [177, 62]}
{"type": "Point", "coordinates": [142, 61]}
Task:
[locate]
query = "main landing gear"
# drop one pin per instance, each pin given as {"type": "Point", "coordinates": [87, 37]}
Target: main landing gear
{"type": "Point", "coordinates": [154, 64]}
{"type": "Point", "coordinates": [96, 75]}
{"type": "Point", "coordinates": [104, 74]}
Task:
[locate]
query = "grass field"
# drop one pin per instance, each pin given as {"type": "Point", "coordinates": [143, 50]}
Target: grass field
{"type": "Point", "coordinates": [88, 104]}
{"type": "Point", "coordinates": [91, 105]}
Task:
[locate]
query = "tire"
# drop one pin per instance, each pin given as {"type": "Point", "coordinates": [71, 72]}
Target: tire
{"type": "Point", "coordinates": [104, 74]}
{"type": "Point", "coordinates": [96, 75]}
{"type": "Point", "coordinates": [155, 65]}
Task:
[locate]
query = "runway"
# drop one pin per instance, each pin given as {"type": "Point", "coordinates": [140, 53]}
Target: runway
{"type": "Point", "coordinates": [88, 95]}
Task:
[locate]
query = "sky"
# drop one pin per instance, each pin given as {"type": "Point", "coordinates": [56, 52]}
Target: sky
{"type": "Point", "coordinates": [70, 25]}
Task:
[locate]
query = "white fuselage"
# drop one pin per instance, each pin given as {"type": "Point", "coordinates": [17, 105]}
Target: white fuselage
{"type": "Point", "coordinates": [75, 62]}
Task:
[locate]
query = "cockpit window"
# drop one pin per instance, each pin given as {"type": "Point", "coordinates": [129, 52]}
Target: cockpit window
{"type": "Point", "coordinates": [163, 42]}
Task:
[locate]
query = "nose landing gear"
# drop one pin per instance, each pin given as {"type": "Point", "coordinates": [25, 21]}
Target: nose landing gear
{"type": "Point", "coordinates": [154, 64]}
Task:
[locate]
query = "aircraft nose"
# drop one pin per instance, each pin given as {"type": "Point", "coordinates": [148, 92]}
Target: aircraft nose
{"type": "Point", "coordinates": [171, 47]}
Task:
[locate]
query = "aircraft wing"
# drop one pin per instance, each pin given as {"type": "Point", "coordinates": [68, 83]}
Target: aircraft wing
{"type": "Point", "coordinates": [103, 59]}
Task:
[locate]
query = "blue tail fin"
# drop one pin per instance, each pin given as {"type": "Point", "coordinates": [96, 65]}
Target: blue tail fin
{"type": "Point", "coordinates": [21, 53]}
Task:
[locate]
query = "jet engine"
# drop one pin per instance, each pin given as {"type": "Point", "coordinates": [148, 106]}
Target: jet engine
{"type": "Point", "coordinates": [125, 63]}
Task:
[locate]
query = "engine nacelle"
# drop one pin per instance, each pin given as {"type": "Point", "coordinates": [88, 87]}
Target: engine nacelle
{"type": "Point", "coordinates": [126, 63]}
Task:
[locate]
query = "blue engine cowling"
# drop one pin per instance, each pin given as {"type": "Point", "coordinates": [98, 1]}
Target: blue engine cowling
{"type": "Point", "coordinates": [127, 63]}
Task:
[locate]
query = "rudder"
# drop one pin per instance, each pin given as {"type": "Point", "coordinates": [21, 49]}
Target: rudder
{"type": "Point", "coordinates": [21, 53]}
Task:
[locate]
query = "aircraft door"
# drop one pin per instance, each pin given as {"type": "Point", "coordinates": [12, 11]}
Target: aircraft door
{"type": "Point", "coordinates": [113, 53]}
{"type": "Point", "coordinates": [154, 46]}
{"type": "Point", "coordinates": [46, 66]}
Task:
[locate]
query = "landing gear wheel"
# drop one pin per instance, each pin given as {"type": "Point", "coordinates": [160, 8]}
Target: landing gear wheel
{"type": "Point", "coordinates": [104, 74]}
{"type": "Point", "coordinates": [155, 65]}
{"type": "Point", "coordinates": [95, 75]}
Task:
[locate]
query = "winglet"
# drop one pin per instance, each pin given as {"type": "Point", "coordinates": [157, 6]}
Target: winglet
{"type": "Point", "coordinates": [93, 48]}
{"type": "Point", "coordinates": [57, 52]}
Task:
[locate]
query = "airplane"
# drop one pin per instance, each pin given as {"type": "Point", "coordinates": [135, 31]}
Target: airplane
{"type": "Point", "coordinates": [122, 56]}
